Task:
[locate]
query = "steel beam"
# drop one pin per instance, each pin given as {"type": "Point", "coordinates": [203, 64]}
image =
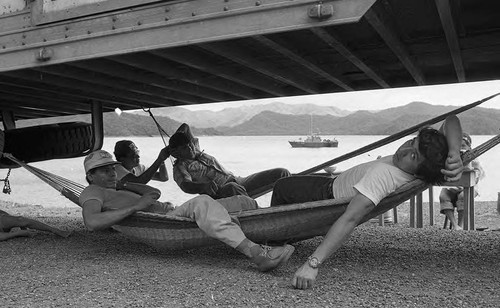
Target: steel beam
{"type": "Point", "coordinates": [164, 25]}
{"type": "Point", "coordinates": [444, 10]}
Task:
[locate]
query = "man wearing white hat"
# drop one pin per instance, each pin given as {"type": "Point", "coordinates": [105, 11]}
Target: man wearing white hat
{"type": "Point", "coordinates": [105, 204]}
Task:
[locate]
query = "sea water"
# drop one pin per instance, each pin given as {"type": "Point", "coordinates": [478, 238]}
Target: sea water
{"type": "Point", "coordinates": [242, 155]}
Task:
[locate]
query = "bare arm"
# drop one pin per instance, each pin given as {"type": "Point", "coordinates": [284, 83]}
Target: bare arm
{"type": "Point", "coordinates": [340, 231]}
{"type": "Point", "coordinates": [140, 189]}
{"type": "Point", "coordinates": [209, 188]}
{"type": "Point", "coordinates": [157, 171]}
{"type": "Point", "coordinates": [19, 233]}
{"type": "Point", "coordinates": [95, 219]}
{"type": "Point", "coordinates": [453, 132]}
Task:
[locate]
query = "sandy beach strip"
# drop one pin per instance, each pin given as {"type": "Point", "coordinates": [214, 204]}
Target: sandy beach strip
{"type": "Point", "coordinates": [390, 266]}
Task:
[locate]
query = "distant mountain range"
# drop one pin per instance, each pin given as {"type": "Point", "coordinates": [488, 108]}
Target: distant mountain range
{"type": "Point", "coordinates": [477, 121]}
{"type": "Point", "coordinates": [282, 119]}
{"type": "Point", "coordinates": [234, 116]}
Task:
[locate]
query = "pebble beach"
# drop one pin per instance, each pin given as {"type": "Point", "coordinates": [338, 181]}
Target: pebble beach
{"type": "Point", "coordinates": [389, 266]}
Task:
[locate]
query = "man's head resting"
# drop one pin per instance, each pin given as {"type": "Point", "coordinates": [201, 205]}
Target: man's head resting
{"type": "Point", "coordinates": [466, 141]}
{"type": "Point", "coordinates": [124, 148]}
{"type": "Point", "coordinates": [95, 160]}
{"type": "Point", "coordinates": [181, 146]}
{"type": "Point", "coordinates": [434, 147]}
{"type": "Point", "coordinates": [177, 140]}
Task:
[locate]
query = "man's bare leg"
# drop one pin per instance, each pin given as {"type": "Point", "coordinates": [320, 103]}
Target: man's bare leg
{"type": "Point", "coordinates": [451, 219]}
{"type": "Point", "coordinates": [9, 222]}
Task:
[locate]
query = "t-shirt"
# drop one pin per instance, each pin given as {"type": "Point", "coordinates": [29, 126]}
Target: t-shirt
{"type": "Point", "coordinates": [203, 168]}
{"type": "Point", "coordinates": [375, 180]}
{"type": "Point", "coordinates": [122, 171]}
{"type": "Point", "coordinates": [110, 198]}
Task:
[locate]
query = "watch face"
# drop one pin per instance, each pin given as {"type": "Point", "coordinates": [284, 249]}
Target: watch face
{"type": "Point", "coordinates": [313, 262]}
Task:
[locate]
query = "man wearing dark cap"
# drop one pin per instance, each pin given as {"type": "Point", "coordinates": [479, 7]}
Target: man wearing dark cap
{"type": "Point", "coordinates": [453, 197]}
{"type": "Point", "coordinates": [105, 204]}
{"type": "Point", "coordinates": [131, 170]}
{"type": "Point", "coordinates": [196, 172]}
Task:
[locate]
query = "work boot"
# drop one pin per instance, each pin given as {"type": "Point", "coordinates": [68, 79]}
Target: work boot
{"type": "Point", "coordinates": [268, 258]}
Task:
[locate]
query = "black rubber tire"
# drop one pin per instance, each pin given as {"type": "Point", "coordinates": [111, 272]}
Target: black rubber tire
{"type": "Point", "coordinates": [45, 142]}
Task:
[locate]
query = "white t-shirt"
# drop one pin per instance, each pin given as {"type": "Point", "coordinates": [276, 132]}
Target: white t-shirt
{"type": "Point", "coordinates": [122, 171]}
{"type": "Point", "coordinates": [375, 180]}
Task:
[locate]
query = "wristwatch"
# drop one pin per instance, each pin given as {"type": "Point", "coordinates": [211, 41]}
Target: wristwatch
{"type": "Point", "coordinates": [313, 262]}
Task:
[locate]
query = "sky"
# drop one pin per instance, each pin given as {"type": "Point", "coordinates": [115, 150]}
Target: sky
{"type": "Point", "coordinates": [458, 94]}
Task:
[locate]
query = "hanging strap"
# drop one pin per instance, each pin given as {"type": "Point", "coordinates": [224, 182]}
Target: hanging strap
{"type": "Point", "coordinates": [264, 190]}
{"type": "Point", "coordinates": [158, 126]}
{"type": "Point", "coordinates": [6, 186]}
{"type": "Point", "coordinates": [69, 189]}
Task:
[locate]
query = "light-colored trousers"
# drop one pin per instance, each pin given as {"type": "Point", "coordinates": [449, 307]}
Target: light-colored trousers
{"type": "Point", "coordinates": [212, 216]}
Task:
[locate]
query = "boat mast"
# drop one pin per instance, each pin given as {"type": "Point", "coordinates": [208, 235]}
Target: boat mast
{"type": "Point", "coordinates": [311, 128]}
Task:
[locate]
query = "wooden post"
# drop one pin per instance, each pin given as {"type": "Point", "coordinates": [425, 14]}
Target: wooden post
{"type": "Point", "coordinates": [412, 212]}
{"type": "Point", "coordinates": [420, 218]}
{"type": "Point", "coordinates": [431, 205]}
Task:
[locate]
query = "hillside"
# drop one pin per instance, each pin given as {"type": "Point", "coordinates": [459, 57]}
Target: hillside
{"type": "Point", "coordinates": [384, 122]}
{"type": "Point", "coordinates": [234, 116]}
{"type": "Point", "coordinates": [126, 124]}
{"type": "Point", "coordinates": [477, 121]}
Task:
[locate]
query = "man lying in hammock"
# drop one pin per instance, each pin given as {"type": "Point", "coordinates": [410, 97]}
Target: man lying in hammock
{"type": "Point", "coordinates": [9, 222]}
{"type": "Point", "coordinates": [105, 204]}
{"type": "Point", "coordinates": [199, 173]}
{"type": "Point", "coordinates": [433, 156]}
{"type": "Point", "coordinates": [131, 169]}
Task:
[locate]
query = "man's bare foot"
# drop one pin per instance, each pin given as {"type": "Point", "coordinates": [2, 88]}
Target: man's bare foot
{"type": "Point", "coordinates": [64, 234]}
{"type": "Point", "coordinates": [458, 228]}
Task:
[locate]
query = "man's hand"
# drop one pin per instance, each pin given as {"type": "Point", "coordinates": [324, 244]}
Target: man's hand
{"type": "Point", "coordinates": [146, 200]}
{"type": "Point", "coordinates": [210, 188]}
{"type": "Point", "coordinates": [304, 277]}
{"type": "Point", "coordinates": [453, 167]}
{"type": "Point", "coordinates": [164, 153]}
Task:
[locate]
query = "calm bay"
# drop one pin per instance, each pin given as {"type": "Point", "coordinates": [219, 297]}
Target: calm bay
{"type": "Point", "coordinates": [242, 155]}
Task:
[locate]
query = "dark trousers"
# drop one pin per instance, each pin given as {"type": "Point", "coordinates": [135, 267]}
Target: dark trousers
{"type": "Point", "coordinates": [248, 184]}
{"type": "Point", "coordinates": [302, 188]}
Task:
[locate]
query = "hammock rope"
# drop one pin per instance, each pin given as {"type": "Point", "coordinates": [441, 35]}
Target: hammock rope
{"type": "Point", "coordinates": [72, 190]}
{"type": "Point", "coordinates": [289, 223]}
{"type": "Point", "coordinates": [162, 131]}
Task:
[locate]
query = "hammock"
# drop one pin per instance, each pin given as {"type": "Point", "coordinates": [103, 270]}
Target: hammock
{"type": "Point", "coordinates": [288, 223]}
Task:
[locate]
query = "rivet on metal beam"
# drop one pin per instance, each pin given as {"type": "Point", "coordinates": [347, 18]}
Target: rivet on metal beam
{"type": "Point", "coordinates": [258, 3]}
{"type": "Point", "coordinates": [44, 54]}
{"type": "Point", "coordinates": [193, 14]}
{"type": "Point", "coordinates": [226, 8]}
{"type": "Point", "coordinates": [320, 11]}
{"type": "Point", "coordinates": [139, 23]}
{"type": "Point", "coordinates": [167, 10]}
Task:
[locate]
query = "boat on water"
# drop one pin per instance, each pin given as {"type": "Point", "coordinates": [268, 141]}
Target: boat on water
{"type": "Point", "coordinates": [314, 141]}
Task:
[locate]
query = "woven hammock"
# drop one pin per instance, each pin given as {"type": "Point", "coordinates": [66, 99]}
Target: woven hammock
{"type": "Point", "coordinates": [288, 223]}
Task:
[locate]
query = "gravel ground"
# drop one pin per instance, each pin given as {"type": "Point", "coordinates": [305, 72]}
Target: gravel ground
{"type": "Point", "coordinates": [391, 266]}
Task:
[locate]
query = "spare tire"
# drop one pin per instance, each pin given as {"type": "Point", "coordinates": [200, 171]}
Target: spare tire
{"type": "Point", "coordinates": [45, 142]}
